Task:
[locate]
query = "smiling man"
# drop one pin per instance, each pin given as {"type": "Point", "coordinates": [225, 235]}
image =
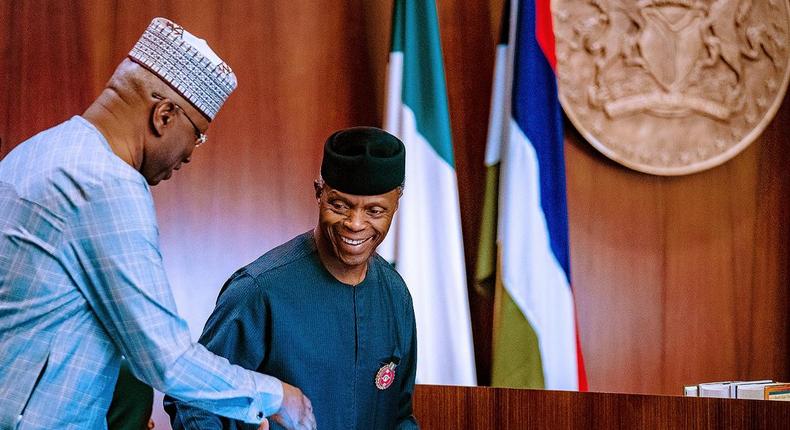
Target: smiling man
{"type": "Point", "coordinates": [323, 311]}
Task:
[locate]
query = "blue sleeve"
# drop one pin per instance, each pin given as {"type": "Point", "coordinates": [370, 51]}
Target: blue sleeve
{"type": "Point", "coordinates": [235, 330]}
{"type": "Point", "coordinates": [116, 247]}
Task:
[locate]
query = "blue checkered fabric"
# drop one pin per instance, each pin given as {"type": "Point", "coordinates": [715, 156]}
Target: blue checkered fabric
{"type": "Point", "coordinates": [82, 283]}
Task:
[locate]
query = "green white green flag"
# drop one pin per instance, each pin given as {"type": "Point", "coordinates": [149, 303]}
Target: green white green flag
{"type": "Point", "coordinates": [425, 240]}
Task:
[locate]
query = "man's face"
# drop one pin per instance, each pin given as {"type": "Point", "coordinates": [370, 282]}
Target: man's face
{"type": "Point", "coordinates": [354, 225]}
{"type": "Point", "coordinates": [173, 147]}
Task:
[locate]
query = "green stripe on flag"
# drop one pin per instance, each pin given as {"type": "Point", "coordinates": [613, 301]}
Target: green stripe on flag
{"type": "Point", "coordinates": [516, 358]}
{"type": "Point", "coordinates": [485, 272]}
{"type": "Point", "coordinates": [415, 32]}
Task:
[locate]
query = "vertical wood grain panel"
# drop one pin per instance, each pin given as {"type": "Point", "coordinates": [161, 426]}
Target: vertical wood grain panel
{"type": "Point", "coordinates": [617, 267]}
{"type": "Point", "coordinates": [681, 279]}
{"type": "Point", "coordinates": [469, 44]}
{"type": "Point", "coordinates": [43, 46]}
{"type": "Point", "coordinates": [479, 408]}
{"type": "Point", "coordinates": [7, 47]}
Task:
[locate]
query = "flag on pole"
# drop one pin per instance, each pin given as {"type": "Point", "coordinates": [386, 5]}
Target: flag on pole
{"type": "Point", "coordinates": [425, 242]}
{"type": "Point", "coordinates": [535, 341]}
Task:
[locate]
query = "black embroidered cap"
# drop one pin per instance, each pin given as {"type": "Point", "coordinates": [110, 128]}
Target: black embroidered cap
{"type": "Point", "coordinates": [364, 161]}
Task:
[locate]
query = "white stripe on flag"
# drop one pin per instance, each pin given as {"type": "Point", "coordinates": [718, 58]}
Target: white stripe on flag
{"type": "Point", "coordinates": [392, 110]}
{"type": "Point", "coordinates": [500, 111]}
{"type": "Point", "coordinates": [531, 273]}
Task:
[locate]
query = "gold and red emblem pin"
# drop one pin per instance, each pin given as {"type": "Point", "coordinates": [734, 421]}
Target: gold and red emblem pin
{"type": "Point", "coordinates": [385, 376]}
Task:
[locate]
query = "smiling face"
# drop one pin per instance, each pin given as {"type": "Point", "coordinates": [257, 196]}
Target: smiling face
{"type": "Point", "coordinates": [350, 227]}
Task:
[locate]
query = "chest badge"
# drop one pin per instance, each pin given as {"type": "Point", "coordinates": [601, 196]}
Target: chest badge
{"type": "Point", "coordinates": [385, 376]}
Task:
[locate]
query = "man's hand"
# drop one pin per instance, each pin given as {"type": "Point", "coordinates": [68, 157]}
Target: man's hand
{"type": "Point", "coordinates": [296, 411]}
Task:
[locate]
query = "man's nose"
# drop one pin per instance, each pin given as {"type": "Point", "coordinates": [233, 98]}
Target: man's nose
{"type": "Point", "coordinates": [354, 221]}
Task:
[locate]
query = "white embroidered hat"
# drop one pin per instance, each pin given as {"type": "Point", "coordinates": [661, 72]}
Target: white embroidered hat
{"type": "Point", "coordinates": [186, 63]}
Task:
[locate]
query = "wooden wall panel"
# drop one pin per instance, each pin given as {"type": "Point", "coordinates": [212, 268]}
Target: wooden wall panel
{"type": "Point", "coordinates": [469, 59]}
{"type": "Point", "coordinates": [483, 408]}
{"type": "Point", "coordinates": [677, 280]}
{"type": "Point", "coordinates": [41, 46]}
{"type": "Point", "coordinates": [616, 267]}
{"type": "Point", "coordinates": [682, 279]}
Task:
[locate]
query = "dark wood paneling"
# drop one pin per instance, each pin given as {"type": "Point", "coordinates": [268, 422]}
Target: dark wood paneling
{"type": "Point", "coordinates": [442, 407]}
{"type": "Point", "coordinates": [42, 53]}
{"type": "Point", "coordinates": [682, 279]}
{"type": "Point", "coordinates": [469, 59]}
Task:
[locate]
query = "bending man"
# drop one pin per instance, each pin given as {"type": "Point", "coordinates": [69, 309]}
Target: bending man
{"type": "Point", "coordinates": [81, 275]}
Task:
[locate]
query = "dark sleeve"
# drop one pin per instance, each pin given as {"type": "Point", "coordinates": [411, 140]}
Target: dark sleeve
{"type": "Point", "coordinates": [235, 330]}
{"type": "Point", "coordinates": [132, 402]}
{"type": "Point", "coordinates": [408, 366]}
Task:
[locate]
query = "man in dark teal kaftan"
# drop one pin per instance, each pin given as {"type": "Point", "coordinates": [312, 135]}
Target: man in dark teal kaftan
{"type": "Point", "coordinates": [323, 311]}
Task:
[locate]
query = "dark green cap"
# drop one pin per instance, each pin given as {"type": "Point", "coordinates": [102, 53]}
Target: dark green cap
{"type": "Point", "coordinates": [364, 161]}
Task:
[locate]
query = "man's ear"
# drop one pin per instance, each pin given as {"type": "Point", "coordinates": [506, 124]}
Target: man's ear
{"type": "Point", "coordinates": [163, 116]}
{"type": "Point", "coordinates": [319, 188]}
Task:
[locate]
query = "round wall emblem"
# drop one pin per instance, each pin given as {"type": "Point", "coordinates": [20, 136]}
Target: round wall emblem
{"type": "Point", "coordinates": [672, 87]}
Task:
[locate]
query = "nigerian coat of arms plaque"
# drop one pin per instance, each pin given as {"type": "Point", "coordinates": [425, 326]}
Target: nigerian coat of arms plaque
{"type": "Point", "coordinates": [671, 87]}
